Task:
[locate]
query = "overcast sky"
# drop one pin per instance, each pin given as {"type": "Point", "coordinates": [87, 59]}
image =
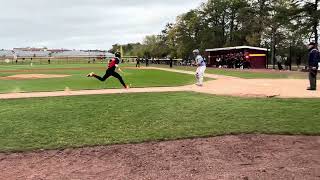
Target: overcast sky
{"type": "Point", "coordinates": [84, 24]}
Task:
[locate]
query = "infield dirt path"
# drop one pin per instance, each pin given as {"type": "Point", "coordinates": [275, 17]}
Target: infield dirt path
{"type": "Point", "coordinates": [223, 85]}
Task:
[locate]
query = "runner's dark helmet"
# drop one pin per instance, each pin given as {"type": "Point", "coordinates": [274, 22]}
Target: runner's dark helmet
{"type": "Point", "coordinates": [118, 54]}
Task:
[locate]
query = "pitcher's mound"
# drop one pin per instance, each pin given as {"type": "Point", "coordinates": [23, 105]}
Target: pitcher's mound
{"type": "Point", "coordinates": [33, 76]}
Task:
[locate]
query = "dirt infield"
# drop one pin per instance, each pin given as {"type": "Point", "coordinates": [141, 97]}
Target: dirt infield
{"type": "Point", "coordinates": [223, 85]}
{"type": "Point", "coordinates": [243, 157]}
{"type": "Point", "coordinates": [33, 76]}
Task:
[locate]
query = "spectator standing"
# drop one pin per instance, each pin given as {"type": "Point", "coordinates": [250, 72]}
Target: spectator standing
{"type": "Point", "coordinates": [138, 62]}
{"type": "Point", "coordinates": [298, 61]}
{"type": "Point", "coordinates": [171, 62]}
{"type": "Point", "coordinates": [279, 62]}
{"type": "Point", "coordinates": [218, 60]}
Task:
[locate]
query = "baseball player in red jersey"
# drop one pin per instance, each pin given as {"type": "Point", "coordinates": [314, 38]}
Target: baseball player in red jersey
{"type": "Point", "coordinates": [111, 71]}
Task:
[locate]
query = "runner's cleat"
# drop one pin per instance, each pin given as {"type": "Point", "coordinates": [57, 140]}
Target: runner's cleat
{"type": "Point", "coordinates": [90, 74]}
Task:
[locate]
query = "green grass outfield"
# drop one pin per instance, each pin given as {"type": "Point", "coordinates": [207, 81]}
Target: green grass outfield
{"type": "Point", "coordinates": [79, 81]}
{"type": "Point", "coordinates": [65, 122]}
{"type": "Point", "coordinates": [247, 74]}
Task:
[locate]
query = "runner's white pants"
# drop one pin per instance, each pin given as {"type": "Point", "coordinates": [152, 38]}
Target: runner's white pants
{"type": "Point", "coordinates": [200, 74]}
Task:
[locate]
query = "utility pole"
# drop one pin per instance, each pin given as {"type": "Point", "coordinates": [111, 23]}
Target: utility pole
{"type": "Point", "coordinates": [267, 54]}
{"type": "Point", "coordinates": [273, 49]}
{"type": "Point", "coordinates": [290, 56]}
{"type": "Point", "coordinates": [316, 22]}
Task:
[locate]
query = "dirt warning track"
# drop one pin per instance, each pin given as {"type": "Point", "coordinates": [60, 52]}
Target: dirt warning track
{"type": "Point", "coordinates": [242, 157]}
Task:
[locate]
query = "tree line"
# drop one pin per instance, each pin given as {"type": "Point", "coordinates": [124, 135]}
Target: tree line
{"type": "Point", "coordinates": [283, 26]}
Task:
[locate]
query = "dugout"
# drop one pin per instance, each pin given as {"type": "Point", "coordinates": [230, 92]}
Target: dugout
{"type": "Point", "coordinates": [256, 56]}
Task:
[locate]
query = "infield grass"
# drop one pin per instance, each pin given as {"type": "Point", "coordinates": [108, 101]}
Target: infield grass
{"type": "Point", "coordinates": [78, 80]}
{"type": "Point", "coordinates": [66, 122]}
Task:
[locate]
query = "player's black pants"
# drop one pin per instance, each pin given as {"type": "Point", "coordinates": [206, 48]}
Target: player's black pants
{"type": "Point", "coordinates": [111, 72]}
{"type": "Point", "coordinates": [313, 78]}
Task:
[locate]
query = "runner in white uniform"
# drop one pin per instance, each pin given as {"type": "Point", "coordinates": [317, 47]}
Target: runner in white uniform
{"type": "Point", "coordinates": [200, 62]}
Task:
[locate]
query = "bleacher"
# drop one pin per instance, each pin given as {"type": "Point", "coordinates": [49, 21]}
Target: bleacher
{"type": "Point", "coordinates": [18, 56]}
{"type": "Point", "coordinates": [77, 53]}
{"type": "Point", "coordinates": [6, 54]}
{"type": "Point", "coordinates": [30, 54]}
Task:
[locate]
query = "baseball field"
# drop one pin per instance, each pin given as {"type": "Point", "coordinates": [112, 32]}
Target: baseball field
{"type": "Point", "coordinates": [39, 78]}
{"type": "Point", "coordinates": [263, 125]}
